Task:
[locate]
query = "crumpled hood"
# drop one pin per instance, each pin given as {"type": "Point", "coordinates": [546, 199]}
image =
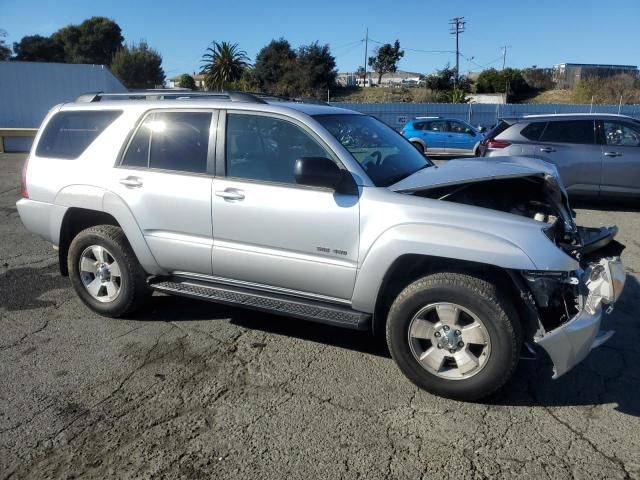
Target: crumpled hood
{"type": "Point", "coordinates": [458, 172]}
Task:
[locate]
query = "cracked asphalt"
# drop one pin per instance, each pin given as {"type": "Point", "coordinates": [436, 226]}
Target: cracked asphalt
{"type": "Point", "coordinates": [189, 389]}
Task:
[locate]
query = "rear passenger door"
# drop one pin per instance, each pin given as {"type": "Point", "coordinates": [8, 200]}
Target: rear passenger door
{"type": "Point", "coordinates": [435, 135]}
{"type": "Point", "coordinates": [270, 232]}
{"type": "Point", "coordinates": [620, 158]}
{"type": "Point", "coordinates": [571, 146]}
{"type": "Point", "coordinates": [165, 177]}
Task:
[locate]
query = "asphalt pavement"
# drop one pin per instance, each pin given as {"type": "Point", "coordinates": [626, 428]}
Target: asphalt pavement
{"type": "Point", "coordinates": [190, 389]}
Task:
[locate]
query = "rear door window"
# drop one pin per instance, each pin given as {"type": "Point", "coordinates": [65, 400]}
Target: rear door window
{"type": "Point", "coordinates": [176, 141]}
{"type": "Point", "coordinates": [68, 134]}
{"type": "Point", "coordinates": [570, 131]}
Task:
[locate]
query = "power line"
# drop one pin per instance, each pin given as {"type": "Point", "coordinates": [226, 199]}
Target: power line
{"type": "Point", "coordinates": [414, 49]}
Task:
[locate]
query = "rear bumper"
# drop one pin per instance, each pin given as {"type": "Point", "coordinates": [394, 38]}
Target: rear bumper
{"type": "Point", "coordinates": [571, 342]}
{"type": "Point", "coordinates": [43, 219]}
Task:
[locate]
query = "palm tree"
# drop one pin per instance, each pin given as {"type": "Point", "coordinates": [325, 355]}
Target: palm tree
{"type": "Point", "coordinates": [223, 63]}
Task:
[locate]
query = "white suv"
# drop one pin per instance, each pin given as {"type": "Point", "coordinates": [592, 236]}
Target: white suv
{"type": "Point", "coordinates": [323, 214]}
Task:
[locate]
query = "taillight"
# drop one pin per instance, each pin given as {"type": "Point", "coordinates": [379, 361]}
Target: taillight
{"type": "Point", "coordinates": [493, 143]}
{"type": "Point", "coordinates": [23, 182]}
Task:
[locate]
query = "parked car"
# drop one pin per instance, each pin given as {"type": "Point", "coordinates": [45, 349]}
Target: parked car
{"type": "Point", "coordinates": [443, 136]}
{"type": "Point", "coordinates": [501, 125]}
{"type": "Point", "coordinates": [597, 155]}
{"type": "Point", "coordinates": [322, 214]}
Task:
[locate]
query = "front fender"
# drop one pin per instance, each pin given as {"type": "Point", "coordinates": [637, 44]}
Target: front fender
{"type": "Point", "coordinates": [445, 241]}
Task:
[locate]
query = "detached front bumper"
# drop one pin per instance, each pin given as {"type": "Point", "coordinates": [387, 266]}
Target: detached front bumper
{"type": "Point", "coordinates": [570, 343]}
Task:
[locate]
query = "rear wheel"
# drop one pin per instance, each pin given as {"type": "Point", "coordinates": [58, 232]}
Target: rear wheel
{"type": "Point", "coordinates": [105, 272]}
{"type": "Point", "coordinates": [453, 335]}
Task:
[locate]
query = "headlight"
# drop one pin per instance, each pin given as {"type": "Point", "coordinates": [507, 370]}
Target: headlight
{"type": "Point", "coordinates": [605, 281]}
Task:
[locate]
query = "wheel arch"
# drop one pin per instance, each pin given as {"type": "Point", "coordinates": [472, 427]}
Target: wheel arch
{"type": "Point", "coordinates": [420, 141]}
{"type": "Point", "coordinates": [410, 267]}
{"type": "Point", "coordinates": [108, 209]}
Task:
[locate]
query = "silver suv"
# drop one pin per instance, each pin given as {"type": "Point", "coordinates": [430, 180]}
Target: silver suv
{"type": "Point", "coordinates": [597, 155]}
{"type": "Point", "coordinates": [322, 214]}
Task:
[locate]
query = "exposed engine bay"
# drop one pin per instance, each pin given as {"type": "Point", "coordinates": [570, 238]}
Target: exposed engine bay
{"type": "Point", "coordinates": [537, 197]}
{"type": "Point", "coordinates": [558, 296]}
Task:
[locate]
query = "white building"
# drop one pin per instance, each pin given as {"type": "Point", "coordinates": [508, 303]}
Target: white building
{"type": "Point", "coordinates": [398, 78]}
{"type": "Point", "coordinates": [174, 82]}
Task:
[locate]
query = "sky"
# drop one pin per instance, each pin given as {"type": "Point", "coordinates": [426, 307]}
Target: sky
{"type": "Point", "coordinates": [536, 32]}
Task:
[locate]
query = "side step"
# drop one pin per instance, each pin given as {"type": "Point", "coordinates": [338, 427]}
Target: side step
{"type": "Point", "coordinates": [268, 302]}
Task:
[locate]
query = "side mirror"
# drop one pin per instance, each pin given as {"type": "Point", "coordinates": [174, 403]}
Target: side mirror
{"type": "Point", "coordinates": [323, 172]}
{"type": "Point", "coordinates": [481, 129]}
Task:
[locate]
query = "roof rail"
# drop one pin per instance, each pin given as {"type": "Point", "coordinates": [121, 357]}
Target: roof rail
{"type": "Point", "coordinates": [169, 94]}
{"type": "Point", "coordinates": [280, 98]}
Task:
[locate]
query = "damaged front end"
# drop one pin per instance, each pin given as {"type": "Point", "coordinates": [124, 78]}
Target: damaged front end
{"type": "Point", "coordinates": [569, 308]}
{"type": "Point", "coordinates": [565, 307]}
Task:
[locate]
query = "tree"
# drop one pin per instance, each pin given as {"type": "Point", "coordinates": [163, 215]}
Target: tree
{"type": "Point", "coordinates": [538, 78]}
{"type": "Point", "coordinates": [386, 59]}
{"type": "Point", "coordinates": [5, 51]}
{"type": "Point", "coordinates": [247, 81]}
{"type": "Point", "coordinates": [457, 95]}
{"type": "Point", "coordinates": [223, 63]}
{"type": "Point", "coordinates": [96, 40]}
{"type": "Point", "coordinates": [316, 70]}
{"type": "Point", "coordinates": [36, 48]}
{"type": "Point", "coordinates": [187, 81]}
{"type": "Point", "coordinates": [275, 64]}
{"type": "Point", "coordinates": [138, 66]}
{"type": "Point", "coordinates": [494, 81]}
{"type": "Point", "coordinates": [442, 80]}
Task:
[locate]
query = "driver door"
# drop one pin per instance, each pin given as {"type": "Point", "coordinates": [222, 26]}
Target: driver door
{"type": "Point", "coordinates": [460, 139]}
{"type": "Point", "coordinates": [620, 159]}
{"type": "Point", "coordinates": [269, 231]}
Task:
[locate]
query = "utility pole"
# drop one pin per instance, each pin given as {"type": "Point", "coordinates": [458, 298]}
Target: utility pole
{"type": "Point", "coordinates": [457, 27]}
{"type": "Point", "coordinates": [366, 44]}
{"type": "Point", "coordinates": [504, 55]}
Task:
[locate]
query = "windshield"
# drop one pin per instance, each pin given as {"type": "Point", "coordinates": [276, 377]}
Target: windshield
{"type": "Point", "coordinates": [385, 155]}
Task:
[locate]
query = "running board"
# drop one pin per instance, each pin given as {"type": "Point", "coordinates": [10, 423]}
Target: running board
{"type": "Point", "coordinates": [269, 302]}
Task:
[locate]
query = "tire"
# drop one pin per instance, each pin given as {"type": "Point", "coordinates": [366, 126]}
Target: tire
{"type": "Point", "coordinates": [425, 307]}
{"type": "Point", "coordinates": [129, 289]}
{"type": "Point", "coordinates": [419, 146]}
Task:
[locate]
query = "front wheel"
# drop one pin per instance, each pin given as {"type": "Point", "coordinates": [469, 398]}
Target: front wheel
{"type": "Point", "coordinates": [105, 272]}
{"type": "Point", "coordinates": [453, 335]}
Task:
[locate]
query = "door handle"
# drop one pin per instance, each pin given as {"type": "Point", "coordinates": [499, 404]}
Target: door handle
{"type": "Point", "coordinates": [230, 194]}
{"type": "Point", "coordinates": [547, 149]}
{"type": "Point", "coordinates": [131, 182]}
{"type": "Point", "coordinates": [612, 154]}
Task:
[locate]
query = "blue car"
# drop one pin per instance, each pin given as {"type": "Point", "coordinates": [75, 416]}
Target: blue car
{"type": "Point", "coordinates": [443, 136]}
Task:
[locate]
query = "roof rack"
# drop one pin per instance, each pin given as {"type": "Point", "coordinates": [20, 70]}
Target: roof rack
{"type": "Point", "coordinates": [169, 94]}
{"type": "Point", "coordinates": [281, 98]}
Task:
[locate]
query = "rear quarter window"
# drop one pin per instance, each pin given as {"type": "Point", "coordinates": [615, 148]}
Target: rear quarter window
{"type": "Point", "coordinates": [68, 134]}
{"type": "Point", "coordinates": [533, 131]}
